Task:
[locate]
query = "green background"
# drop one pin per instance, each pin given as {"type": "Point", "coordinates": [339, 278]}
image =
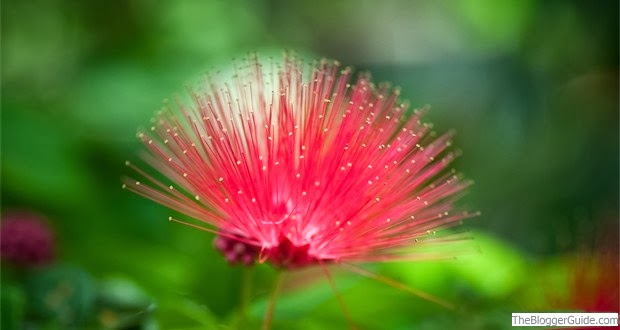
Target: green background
{"type": "Point", "coordinates": [531, 87]}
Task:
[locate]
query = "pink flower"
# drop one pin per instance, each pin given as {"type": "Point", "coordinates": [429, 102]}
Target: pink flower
{"type": "Point", "coordinates": [26, 240]}
{"type": "Point", "coordinates": [298, 166]}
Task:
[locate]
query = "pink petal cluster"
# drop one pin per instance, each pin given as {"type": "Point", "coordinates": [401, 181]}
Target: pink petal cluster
{"type": "Point", "coordinates": [302, 166]}
{"type": "Point", "coordinates": [26, 239]}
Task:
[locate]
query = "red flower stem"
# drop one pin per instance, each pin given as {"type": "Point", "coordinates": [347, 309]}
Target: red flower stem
{"type": "Point", "coordinates": [272, 300]}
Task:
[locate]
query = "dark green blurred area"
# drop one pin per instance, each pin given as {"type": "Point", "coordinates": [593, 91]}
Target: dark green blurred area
{"type": "Point", "coordinates": [530, 86]}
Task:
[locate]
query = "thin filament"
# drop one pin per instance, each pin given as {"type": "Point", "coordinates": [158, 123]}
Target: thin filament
{"type": "Point", "coordinates": [338, 296]}
{"type": "Point", "coordinates": [400, 286]}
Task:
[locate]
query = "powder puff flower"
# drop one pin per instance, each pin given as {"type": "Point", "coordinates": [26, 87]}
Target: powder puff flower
{"type": "Point", "coordinates": [299, 166]}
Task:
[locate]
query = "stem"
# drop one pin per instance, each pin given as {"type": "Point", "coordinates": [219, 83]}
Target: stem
{"type": "Point", "coordinates": [246, 291]}
{"type": "Point", "coordinates": [272, 300]}
{"type": "Point", "coordinates": [332, 284]}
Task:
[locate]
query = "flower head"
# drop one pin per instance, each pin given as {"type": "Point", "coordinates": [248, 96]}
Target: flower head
{"type": "Point", "coordinates": [25, 239]}
{"type": "Point", "coordinates": [296, 165]}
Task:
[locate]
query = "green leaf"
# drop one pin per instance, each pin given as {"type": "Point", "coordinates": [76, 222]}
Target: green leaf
{"type": "Point", "coordinates": [122, 293]}
{"type": "Point", "coordinates": [13, 301]}
{"type": "Point", "coordinates": [62, 293]}
{"type": "Point", "coordinates": [496, 271]}
{"type": "Point", "coordinates": [305, 298]}
{"type": "Point", "coordinates": [181, 313]}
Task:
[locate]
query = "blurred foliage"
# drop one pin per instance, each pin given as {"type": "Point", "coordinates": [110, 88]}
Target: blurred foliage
{"type": "Point", "coordinates": [531, 87]}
